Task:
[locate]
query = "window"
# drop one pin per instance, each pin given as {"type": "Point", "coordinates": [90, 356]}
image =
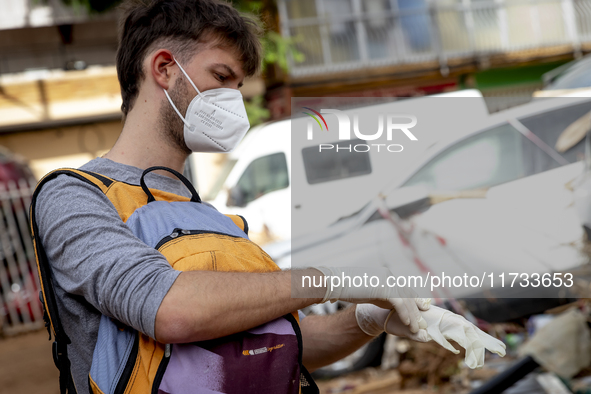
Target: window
{"type": "Point", "coordinates": [549, 125]}
{"type": "Point", "coordinates": [264, 175]}
{"type": "Point", "coordinates": [575, 76]}
{"type": "Point", "coordinates": [502, 154]}
{"type": "Point", "coordinates": [331, 165]}
{"type": "Point", "coordinates": [487, 159]}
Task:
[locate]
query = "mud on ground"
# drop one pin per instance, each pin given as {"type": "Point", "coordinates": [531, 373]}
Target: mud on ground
{"type": "Point", "coordinates": [26, 365]}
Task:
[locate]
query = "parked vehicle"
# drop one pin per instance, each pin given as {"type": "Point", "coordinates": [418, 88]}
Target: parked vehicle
{"type": "Point", "coordinates": [493, 200]}
{"type": "Point", "coordinates": [572, 78]}
{"type": "Point", "coordinates": [258, 179]}
{"type": "Point", "coordinates": [515, 145]}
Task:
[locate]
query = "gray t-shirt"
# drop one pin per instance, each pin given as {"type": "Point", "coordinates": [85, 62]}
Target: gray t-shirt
{"type": "Point", "coordinates": [98, 265]}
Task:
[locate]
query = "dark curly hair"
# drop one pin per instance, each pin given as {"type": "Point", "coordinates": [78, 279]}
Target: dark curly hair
{"type": "Point", "coordinates": [180, 25]}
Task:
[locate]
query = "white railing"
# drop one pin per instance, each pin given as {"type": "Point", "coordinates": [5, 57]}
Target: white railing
{"type": "Point", "coordinates": [20, 308]}
{"type": "Point", "coordinates": [340, 35]}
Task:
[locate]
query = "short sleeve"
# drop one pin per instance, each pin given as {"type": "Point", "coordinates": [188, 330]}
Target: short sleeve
{"type": "Point", "coordinates": [93, 254]}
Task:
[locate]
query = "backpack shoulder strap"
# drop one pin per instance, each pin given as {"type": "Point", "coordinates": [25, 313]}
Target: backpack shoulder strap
{"type": "Point", "coordinates": [47, 294]}
{"type": "Point", "coordinates": [240, 222]}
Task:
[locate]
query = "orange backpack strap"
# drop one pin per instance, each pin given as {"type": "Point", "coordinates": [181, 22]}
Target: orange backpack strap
{"type": "Point", "coordinates": [47, 294]}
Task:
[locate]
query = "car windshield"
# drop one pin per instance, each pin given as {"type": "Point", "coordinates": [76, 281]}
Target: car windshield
{"type": "Point", "coordinates": [576, 76]}
{"type": "Point", "coordinates": [494, 156]}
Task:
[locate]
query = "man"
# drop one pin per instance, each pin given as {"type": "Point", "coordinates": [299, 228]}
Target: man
{"type": "Point", "coordinates": [167, 49]}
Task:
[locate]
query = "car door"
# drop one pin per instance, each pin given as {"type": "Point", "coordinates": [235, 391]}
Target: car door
{"type": "Point", "coordinates": [262, 195]}
{"type": "Point", "coordinates": [451, 237]}
{"type": "Point", "coordinates": [494, 156]}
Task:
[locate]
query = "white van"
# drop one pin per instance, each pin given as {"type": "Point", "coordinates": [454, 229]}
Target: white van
{"type": "Point", "coordinates": [267, 179]}
{"type": "Point", "coordinates": [254, 181]}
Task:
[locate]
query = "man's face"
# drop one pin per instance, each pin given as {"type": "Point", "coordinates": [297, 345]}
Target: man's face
{"type": "Point", "coordinates": [210, 68]}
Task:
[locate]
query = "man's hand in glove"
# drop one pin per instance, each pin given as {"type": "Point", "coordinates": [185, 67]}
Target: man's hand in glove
{"type": "Point", "coordinates": [374, 320]}
{"type": "Point", "coordinates": [403, 300]}
{"type": "Point", "coordinates": [443, 325]}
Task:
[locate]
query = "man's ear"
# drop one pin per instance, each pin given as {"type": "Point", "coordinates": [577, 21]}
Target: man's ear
{"type": "Point", "coordinates": [161, 63]}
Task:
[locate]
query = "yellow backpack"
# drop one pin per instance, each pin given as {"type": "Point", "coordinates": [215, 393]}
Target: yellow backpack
{"type": "Point", "coordinates": [192, 236]}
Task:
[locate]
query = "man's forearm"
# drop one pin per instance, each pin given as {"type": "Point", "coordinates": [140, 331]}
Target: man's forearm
{"type": "Point", "coordinates": [203, 305]}
{"type": "Point", "coordinates": [330, 338]}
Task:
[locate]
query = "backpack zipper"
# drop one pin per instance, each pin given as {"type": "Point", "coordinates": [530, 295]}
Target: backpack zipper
{"type": "Point", "coordinates": [128, 370]}
{"type": "Point", "coordinates": [161, 368]}
{"type": "Point", "coordinates": [177, 232]}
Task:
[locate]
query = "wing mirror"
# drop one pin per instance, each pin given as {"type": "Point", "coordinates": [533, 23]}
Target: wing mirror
{"type": "Point", "coordinates": [236, 197]}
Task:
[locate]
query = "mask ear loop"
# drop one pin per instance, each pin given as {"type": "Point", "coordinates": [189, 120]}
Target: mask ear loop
{"type": "Point", "coordinates": [186, 75]}
{"type": "Point", "coordinates": [191, 127]}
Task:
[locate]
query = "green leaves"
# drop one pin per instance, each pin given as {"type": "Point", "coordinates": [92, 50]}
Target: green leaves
{"type": "Point", "coordinates": [256, 110]}
{"type": "Point", "coordinates": [278, 49]}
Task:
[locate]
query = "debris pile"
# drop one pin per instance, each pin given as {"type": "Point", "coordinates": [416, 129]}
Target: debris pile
{"type": "Point", "coordinates": [554, 347]}
{"type": "Point", "coordinates": [428, 363]}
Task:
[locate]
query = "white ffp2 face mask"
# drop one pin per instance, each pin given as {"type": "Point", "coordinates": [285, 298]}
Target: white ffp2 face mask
{"type": "Point", "coordinates": [216, 119]}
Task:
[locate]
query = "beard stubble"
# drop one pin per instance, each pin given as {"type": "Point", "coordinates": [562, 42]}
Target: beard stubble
{"type": "Point", "coordinates": [171, 125]}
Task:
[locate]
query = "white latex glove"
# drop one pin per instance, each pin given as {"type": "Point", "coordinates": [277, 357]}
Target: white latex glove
{"type": "Point", "coordinates": [374, 320]}
{"type": "Point", "coordinates": [404, 300]}
{"type": "Point", "coordinates": [443, 325]}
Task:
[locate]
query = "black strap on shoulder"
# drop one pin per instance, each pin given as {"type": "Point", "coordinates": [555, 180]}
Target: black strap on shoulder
{"type": "Point", "coordinates": [60, 345]}
{"type": "Point", "coordinates": [307, 383]}
{"type": "Point", "coordinates": [194, 195]}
